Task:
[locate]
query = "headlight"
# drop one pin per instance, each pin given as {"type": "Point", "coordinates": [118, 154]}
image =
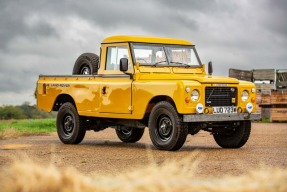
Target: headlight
{"type": "Point", "coordinates": [244, 95]}
{"type": "Point", "coordinates": [194, 95]}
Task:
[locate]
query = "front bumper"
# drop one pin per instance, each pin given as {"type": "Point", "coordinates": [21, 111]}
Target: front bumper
{"type": "Point", "coordinates": [221, 117]}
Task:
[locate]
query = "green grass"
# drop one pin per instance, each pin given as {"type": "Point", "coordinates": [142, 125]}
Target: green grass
{"type": "Point", "coordinates": [265, 120]}
{"type": "Point", "coordinates": [30, 125]}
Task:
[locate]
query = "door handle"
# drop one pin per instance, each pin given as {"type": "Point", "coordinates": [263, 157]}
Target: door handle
{"type": "Point", "coordinates": [104, 90]}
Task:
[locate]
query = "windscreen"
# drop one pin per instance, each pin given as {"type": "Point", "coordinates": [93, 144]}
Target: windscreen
{"type": "Point", "coordinates": [172, 55]}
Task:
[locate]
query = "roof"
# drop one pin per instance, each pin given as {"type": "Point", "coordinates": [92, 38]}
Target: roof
{"type": "Point", "coordinates": [145, 39]}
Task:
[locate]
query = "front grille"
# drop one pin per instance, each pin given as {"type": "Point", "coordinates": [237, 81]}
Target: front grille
{"type": "Point", "coordinates": [220, 96]}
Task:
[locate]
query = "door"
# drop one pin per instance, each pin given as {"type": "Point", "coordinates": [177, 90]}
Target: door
{"type": "Point", "coordinates": [116, 86]}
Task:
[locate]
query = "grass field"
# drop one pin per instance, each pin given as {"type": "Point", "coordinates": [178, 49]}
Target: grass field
{"type": "Point", "coordinates": [17, 128]}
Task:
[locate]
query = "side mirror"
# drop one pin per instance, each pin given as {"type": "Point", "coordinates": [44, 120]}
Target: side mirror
{"type": "Point", "coordinates": [210, 69]}
{"type": "Point", "coordinates": [124, 64]}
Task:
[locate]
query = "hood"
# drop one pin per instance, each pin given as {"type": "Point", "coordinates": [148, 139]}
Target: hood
{"type": "Point", "coordinates": [194, 77]}
{"type": "Point", "coordinates": [214, 79]}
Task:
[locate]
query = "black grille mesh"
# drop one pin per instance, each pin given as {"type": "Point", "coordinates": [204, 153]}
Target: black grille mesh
{"type": "Point", "coordinates": [220, 96]}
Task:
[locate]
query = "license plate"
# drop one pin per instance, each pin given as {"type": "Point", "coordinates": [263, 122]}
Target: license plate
{"type": "Point", "coordinates": [221, 110]}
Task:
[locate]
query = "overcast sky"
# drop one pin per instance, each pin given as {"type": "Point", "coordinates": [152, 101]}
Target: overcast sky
{"type": "Point", "coordinates": [46, 37]}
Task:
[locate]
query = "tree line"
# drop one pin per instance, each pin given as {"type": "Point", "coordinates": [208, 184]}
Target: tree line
{"type": "Point", "coordinates": [24, 111]}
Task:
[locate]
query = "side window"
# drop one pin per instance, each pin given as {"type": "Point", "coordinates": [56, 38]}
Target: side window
{"type": "Point", "coordinates": [114, 54]}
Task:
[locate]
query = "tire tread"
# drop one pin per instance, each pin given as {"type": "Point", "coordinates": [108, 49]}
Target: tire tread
{"type": "Point", "coordinates": [90, 59]}
{"type": "Point", "coordinates": [182, 129]}
{"type": "Point", "coordinates": [79, 132]}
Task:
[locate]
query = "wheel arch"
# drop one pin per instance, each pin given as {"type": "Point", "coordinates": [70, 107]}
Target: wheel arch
{"type": "Point", "coordinates": [157, 99]}
{"type": "Point", "coordinates": [61, 99]}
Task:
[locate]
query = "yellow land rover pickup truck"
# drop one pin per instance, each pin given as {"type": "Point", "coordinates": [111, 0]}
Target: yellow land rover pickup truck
{"type": "Point", "coordinates": [139, 82]}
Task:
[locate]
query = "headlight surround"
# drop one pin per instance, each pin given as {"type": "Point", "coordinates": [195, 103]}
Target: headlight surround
{"type": "Point", "coordinates": [194, 95]}
{"type": "Point", "coordinates": [244, 95]}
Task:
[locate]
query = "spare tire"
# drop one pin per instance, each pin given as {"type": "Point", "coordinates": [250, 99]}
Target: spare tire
{"type": "Point", "coordinates": [86, 64]}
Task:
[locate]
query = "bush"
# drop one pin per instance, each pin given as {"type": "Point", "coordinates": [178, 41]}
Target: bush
{"type": "Point", "coordinates": [24, 111]}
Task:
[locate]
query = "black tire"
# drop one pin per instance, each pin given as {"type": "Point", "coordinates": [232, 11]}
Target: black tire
{"type": "Point", "coordinates": [86, 64]}
{"type": "Point", "coordinates": [70, 126]}
{"type": "Point", "coordinates": [166, 130]}
{"type": "Point", "coordinates": [128, 134]}
{"type": "Point", "coordinates": [235, 137]}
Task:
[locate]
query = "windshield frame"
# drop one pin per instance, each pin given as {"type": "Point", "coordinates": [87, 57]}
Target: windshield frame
{"type": "Point", "coordinates": [165, 46]}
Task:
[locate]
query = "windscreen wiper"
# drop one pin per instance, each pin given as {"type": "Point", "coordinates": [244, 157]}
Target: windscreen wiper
{"type": "Point", "coordinates": [179, 63]}
{"type": "Point", "coordinates": [139, 58]}
{"type": "Point", "coordinates": [155, 64]}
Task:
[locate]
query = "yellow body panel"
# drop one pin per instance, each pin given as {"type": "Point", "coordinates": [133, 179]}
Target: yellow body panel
{"type": "Point", "coordinates": [117, 98]}
{"type": "Point", "coordinates": [113, 94]}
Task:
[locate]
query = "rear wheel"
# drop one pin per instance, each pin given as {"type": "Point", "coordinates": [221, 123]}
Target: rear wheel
{"type": "Point", "coordinates": [86, 64]}
{"type": "Point", "coordinates": [233, 137]}
{"type": "Point", "coordinates": [128, 134]}
{"type": "Point", "coordinates": [70, 126]}
{"type": "Point", "coordinates": [167, 131]}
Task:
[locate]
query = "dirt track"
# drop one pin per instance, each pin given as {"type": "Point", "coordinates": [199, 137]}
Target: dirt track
{"type": "Point", "coordinates": [103, 153]}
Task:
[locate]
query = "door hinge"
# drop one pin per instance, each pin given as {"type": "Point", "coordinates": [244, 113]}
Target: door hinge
{"type": "Point", "coordinates": [131, 108]}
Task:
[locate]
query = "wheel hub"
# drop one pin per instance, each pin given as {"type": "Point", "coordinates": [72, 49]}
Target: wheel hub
{"type": "Point", "coordinates": [85, 70]}
{"type": "Point", "coordinates": [165, 128]}
{"type": "Point", "coordinates": [126, 131]}
{"type": "Point", "coordinates": [68, 124]}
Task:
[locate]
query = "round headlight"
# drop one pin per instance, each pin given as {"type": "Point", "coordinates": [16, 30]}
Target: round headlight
{"type": "Point", "coordinates": [244, 95]}
{"type": "Point", "coordinates": [194, 95]}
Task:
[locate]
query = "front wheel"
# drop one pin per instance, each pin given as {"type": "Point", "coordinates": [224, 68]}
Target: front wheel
{"type": "Point", "coordinates": [233, 137]}
{"type": "Point", "coordinates": [167, 131]}
{"type": "Point", "coordinates": [128, 134]}
{"type": "Point", "coordinates": [70, 127]}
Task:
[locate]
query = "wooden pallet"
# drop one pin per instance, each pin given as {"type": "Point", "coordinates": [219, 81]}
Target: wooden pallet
{"type": "Point", "coordinates": [278, 114]}
{"type": "Point", "coordinates": [272, 98]}
{"type": "Point", "coordinates": [258, 109]}
{"type": "Point", "coordinates": [279, 97]}
{"type": "Point", "coordinates": [258, 98]}
{"type": "Point", "coordinates": [265, 99]}
{"type": "Point", "coordinates": [264, 88]}
{"type": "Point", "coordinates": [264, 74]}
{"type": "Point", "coordinates": [240, 74]}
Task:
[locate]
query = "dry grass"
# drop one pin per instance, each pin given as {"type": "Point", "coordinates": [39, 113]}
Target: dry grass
{"type": "Point", "coordinates": [169, 176]}
{"type": "Point", "coordinates": [11, 133]}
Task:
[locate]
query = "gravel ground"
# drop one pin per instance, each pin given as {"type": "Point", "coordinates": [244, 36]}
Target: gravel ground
{"type": "Point", "coordinates": [103, 153]}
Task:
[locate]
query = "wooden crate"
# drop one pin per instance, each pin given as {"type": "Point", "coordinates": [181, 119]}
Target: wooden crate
{"type": "Point", "coordinates": [281, 80]}
{"type": "Point", "coordinates": [258, 109]}
{"type": "Point", "coordinates": [265, 99]}
{"type": "Point", "coordinates": [240, 74]}
{"type": "Point", "coordinates": [258, 98]}
{"type": "Point", "coordinates": [278, 114]}
{"type": "Point", "coordinates": [264, 74]}
{"type": "Point", "coordinates": [278, 97]}
{"type": "Point", "coordinates": [264, 88]}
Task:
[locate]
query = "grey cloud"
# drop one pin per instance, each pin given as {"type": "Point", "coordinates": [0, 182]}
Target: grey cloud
{"type": "Point", "coordinates": [12, 23]}
{"type": "Point", "coordinates": [191, 5]}
{"type": "Point", "coordinates": [150, 15]}
{"type": "Point", "coordinates": [46, 37]}
{"type": "Point", "coordinates": [275, 20]}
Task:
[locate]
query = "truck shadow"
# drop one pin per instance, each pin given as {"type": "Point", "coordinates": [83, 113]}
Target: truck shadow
{"type": "Point", "coordinates": [144, 146]}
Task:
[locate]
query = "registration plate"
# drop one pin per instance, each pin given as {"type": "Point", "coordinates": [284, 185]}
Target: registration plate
{"type": "Point", "coordinates": [221, 110]}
